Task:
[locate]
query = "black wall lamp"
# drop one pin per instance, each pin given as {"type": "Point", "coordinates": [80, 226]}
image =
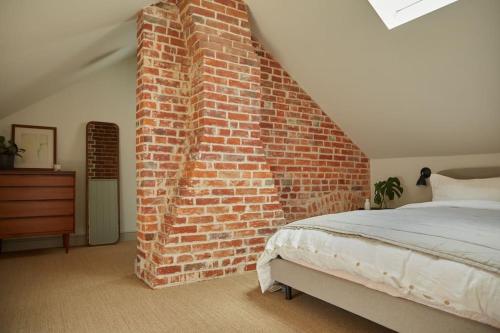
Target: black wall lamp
{"type": "Point", "coordinates": [424, 174]}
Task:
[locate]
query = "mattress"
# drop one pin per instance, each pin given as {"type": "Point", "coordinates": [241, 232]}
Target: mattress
{"type": "Point", "coordinates": [449, 285]}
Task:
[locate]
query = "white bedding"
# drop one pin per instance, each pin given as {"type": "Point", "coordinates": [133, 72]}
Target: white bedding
{"type": "Point", "coordinates": [451, 286]}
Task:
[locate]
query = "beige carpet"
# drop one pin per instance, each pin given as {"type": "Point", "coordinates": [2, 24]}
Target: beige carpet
{"type": "Point", "coordinates": [95, 290]}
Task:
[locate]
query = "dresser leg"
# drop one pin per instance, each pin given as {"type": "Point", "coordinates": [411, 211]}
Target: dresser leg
{"type": "Point", "coordinates": [66, 242]}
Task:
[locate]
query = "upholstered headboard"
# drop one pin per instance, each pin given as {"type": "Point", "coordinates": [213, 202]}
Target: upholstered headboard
{"type": "Point", "coordinates": [470, 173]}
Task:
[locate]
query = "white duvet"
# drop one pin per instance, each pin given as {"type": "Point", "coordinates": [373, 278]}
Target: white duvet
{"type": "Point", "coordinates": [448, 285]}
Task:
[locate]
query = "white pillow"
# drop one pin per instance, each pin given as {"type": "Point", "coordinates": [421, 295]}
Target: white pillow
{"type": "Point", "coordinates": [446, 188]}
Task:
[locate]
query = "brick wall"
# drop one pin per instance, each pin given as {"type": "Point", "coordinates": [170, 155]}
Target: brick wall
{"type": "Point", "coordinates": [211, 182]}
{"type": "Point", "coordinates": [316, 167]}
{"type": "Point", "coordinates": [102, 150]}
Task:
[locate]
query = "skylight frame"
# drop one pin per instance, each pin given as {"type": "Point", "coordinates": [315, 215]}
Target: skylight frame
{"type": "Point", "coordinates": [397, 12]}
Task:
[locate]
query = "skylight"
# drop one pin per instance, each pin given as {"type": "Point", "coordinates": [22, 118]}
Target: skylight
{"type": "Point", "coordinates": [397, 12]}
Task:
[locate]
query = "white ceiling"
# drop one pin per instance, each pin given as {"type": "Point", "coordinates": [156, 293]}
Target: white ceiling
{"type": "Point", "coordinates": [428, 87]}
{"type": "Point", "coordinates": [48, 44]}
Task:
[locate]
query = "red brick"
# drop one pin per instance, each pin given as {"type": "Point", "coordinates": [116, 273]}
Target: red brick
{"type": "Point", "coordinates": [168, 270]}
{"type": "Point", "coordinates": [227, 217]}
{"type": "Point", "coordinates": [183, 229]}
{"type": "Point", "coordinates": [194, 238]}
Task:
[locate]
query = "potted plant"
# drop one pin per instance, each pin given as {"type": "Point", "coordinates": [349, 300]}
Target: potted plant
{"type": "Point", "coordinates": [389, 189]}
{"type": "Point", "coordinates": [8, 151]}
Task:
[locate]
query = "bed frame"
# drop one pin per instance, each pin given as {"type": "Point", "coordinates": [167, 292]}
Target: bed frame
{"type": "Point", "coordinates": [395, 313]}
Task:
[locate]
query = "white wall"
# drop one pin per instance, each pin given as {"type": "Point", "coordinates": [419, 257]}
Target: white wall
{"type": "Point", "coordinates": [408, 171]}
{"type": "Point", "coordinates": [109, 96]}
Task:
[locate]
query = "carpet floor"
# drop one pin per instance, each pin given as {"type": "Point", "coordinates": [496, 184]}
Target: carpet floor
{"type": "Point", "coordinates": [93, 289]}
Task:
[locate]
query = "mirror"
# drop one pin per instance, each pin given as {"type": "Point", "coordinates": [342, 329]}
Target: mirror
{"type": "Point", "coordinates": [102, 184]}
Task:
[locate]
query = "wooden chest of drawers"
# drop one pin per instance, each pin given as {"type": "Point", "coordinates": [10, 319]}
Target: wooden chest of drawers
{"type": "Point", "coordinates": [37, 203]}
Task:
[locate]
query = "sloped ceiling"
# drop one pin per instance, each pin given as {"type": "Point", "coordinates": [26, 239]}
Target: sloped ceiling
{"type": "Point", "coordinates": [48, 44]}
{"type": "Point", "coordinates": [428, 87]}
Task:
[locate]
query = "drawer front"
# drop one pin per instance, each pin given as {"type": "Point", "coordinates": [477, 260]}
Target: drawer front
{"type": "Point", "coordinates": [36, 225]}
{"type": "Point", "coordinates": [36, 180]}
{"type": "Point", "coordinates": [36, 193]}
{"type": "Point", "coordinates": [9, 209]}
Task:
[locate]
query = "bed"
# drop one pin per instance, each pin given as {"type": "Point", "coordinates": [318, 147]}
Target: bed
{"type": "Point", "coordinates": [439, 271]}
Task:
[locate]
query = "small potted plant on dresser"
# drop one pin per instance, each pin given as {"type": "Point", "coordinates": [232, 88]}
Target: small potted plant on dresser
{"type": "Point", "coordinates": [8, 151]}
{"type": "Point", "coordinates": [387, 189]}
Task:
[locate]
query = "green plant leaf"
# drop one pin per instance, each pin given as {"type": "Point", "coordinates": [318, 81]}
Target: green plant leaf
{"type": "Point", "coordinates": [394, 188]}
{"type": "Point", "coordinates": [379, 193]}
{"type": "Point", "coordinates": [390, 188]}
{"type": "Point", "coordinates": [9, 147]}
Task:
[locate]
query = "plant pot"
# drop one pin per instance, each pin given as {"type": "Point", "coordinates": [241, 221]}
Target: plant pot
{"type": "Point", "coordinates": [6, 162]}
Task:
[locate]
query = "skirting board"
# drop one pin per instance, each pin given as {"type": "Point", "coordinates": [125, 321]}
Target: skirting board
{"type": "Point", "coordinates": [32, 243]}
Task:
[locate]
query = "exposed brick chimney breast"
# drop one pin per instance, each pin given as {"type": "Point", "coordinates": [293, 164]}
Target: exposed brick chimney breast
{"type": "Point", "coordinates": [229, 147]}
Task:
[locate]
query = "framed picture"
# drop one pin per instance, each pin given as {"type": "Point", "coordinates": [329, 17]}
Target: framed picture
{"type": "Point", "coordinates": [40, 144]}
